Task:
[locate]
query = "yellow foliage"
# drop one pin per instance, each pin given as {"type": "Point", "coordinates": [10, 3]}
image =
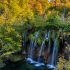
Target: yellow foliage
{"type": "Point", "coordinates": [68, 3]}
{"type": "Point", "coordinates": [16, 9]}
{"type": "Point", "coordinates": [9, 29]}
{"type": "Point", "coordinates": [61, 63]}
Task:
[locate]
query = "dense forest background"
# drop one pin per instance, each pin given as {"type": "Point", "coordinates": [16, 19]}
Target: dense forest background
{"type": "Point", "coordinates": [13, 10]}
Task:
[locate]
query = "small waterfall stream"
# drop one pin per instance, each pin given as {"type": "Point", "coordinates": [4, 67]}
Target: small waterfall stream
{"type": "Point", "coordinates": [47, 35]}
{"type": "Point", "coordinates": [31, 48]}
{"type": "Point", "coordinates": [53, 59]}
{"type": "Point", "coordinates": [32, 45]}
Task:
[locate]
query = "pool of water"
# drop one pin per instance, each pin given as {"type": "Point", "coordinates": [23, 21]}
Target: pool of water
{"type": "Point", "coordinates": [22, 65]}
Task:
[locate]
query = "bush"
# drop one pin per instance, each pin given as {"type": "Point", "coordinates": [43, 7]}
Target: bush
{"type": "Point", "coordinates": [10, 38]}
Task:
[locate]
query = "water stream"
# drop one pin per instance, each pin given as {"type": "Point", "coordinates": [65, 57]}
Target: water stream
{"type": "Point", "coordinates": [40, 58]}
{"type": "Point", "coordinates": [53, 57]}
{"type": "Point", "coordinates": [31, 48]}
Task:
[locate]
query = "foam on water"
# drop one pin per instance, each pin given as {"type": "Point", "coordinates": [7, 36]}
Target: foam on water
{"type": "Point", "coordinates": [50, 66]}
{"type": "Point", "coordinates": [39, 64]}
{"type": "Point", "coordinates": [31, 60]}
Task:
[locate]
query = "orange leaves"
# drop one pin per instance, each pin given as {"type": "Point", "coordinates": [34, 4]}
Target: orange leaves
{"type": "Point", "coordinates": [62, 3]}
{"type": "Point", "coordinates": [57, 2]}
{"type": "Point", "coordinates": [68, 3]}
{"type": "Point", "coordinates": [39, 7]}
{"type": "Point", "coordinates": [32, 4]}
{"type": "Point", "coordinates": [15, 9]}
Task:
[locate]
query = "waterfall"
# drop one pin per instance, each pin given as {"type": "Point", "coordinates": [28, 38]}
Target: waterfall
{"type": "Point", "coordinates": [31, 48]}
{"type": "Point", "coordinates": [40, 58]}
{"type": "Point", "coordinates": [49, 46]}
{"type": "Point", "coordinates": [30, 52]}
{"type": "Point", "coordinates": [53, 59]}
{"type": "Point", "coordinates": [43, 44]}
{"type": "Point", "coordinates": [40, 52]}
{"type": "Point", "coordinates": [53, 53]}
{"type": "Point", "coordinates": [36, 38]}
{"type": "Point", "coordinates": [47, 35]}
{"type": "Point", "coordinates": [32, 45]}
{"type": "Point", "coordinates": [53, 56]}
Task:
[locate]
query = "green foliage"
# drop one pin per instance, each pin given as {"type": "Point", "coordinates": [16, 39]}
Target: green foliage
{"type": "Point", "coordinates": [54, 21]}
{"type": "Point", "coordinates": [10, 39]}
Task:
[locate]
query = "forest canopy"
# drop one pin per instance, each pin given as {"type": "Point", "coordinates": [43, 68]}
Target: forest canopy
{"type": "Point", "coordinates": [13, 10]}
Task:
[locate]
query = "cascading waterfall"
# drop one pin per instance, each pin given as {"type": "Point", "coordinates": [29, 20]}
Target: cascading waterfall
{"type": "Point", "coordinates": [43, 43]}
{"type": "Point", "coordinates": [32, 45]}
{"type": "Point", "coordinates": [53, 59]}
{"type": "Point", "coordinates": [39, 58]}
{"type": "Point", "coordinates": [30, 55]}
{"type": "Point", "coordinates": [47, 35]}
{"type": "Point", "coordinates": [49, 46]}
{"type": "Point", "coordinates": [36, 38]}
{"type": "Point", "coordinates": [41, 49]}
